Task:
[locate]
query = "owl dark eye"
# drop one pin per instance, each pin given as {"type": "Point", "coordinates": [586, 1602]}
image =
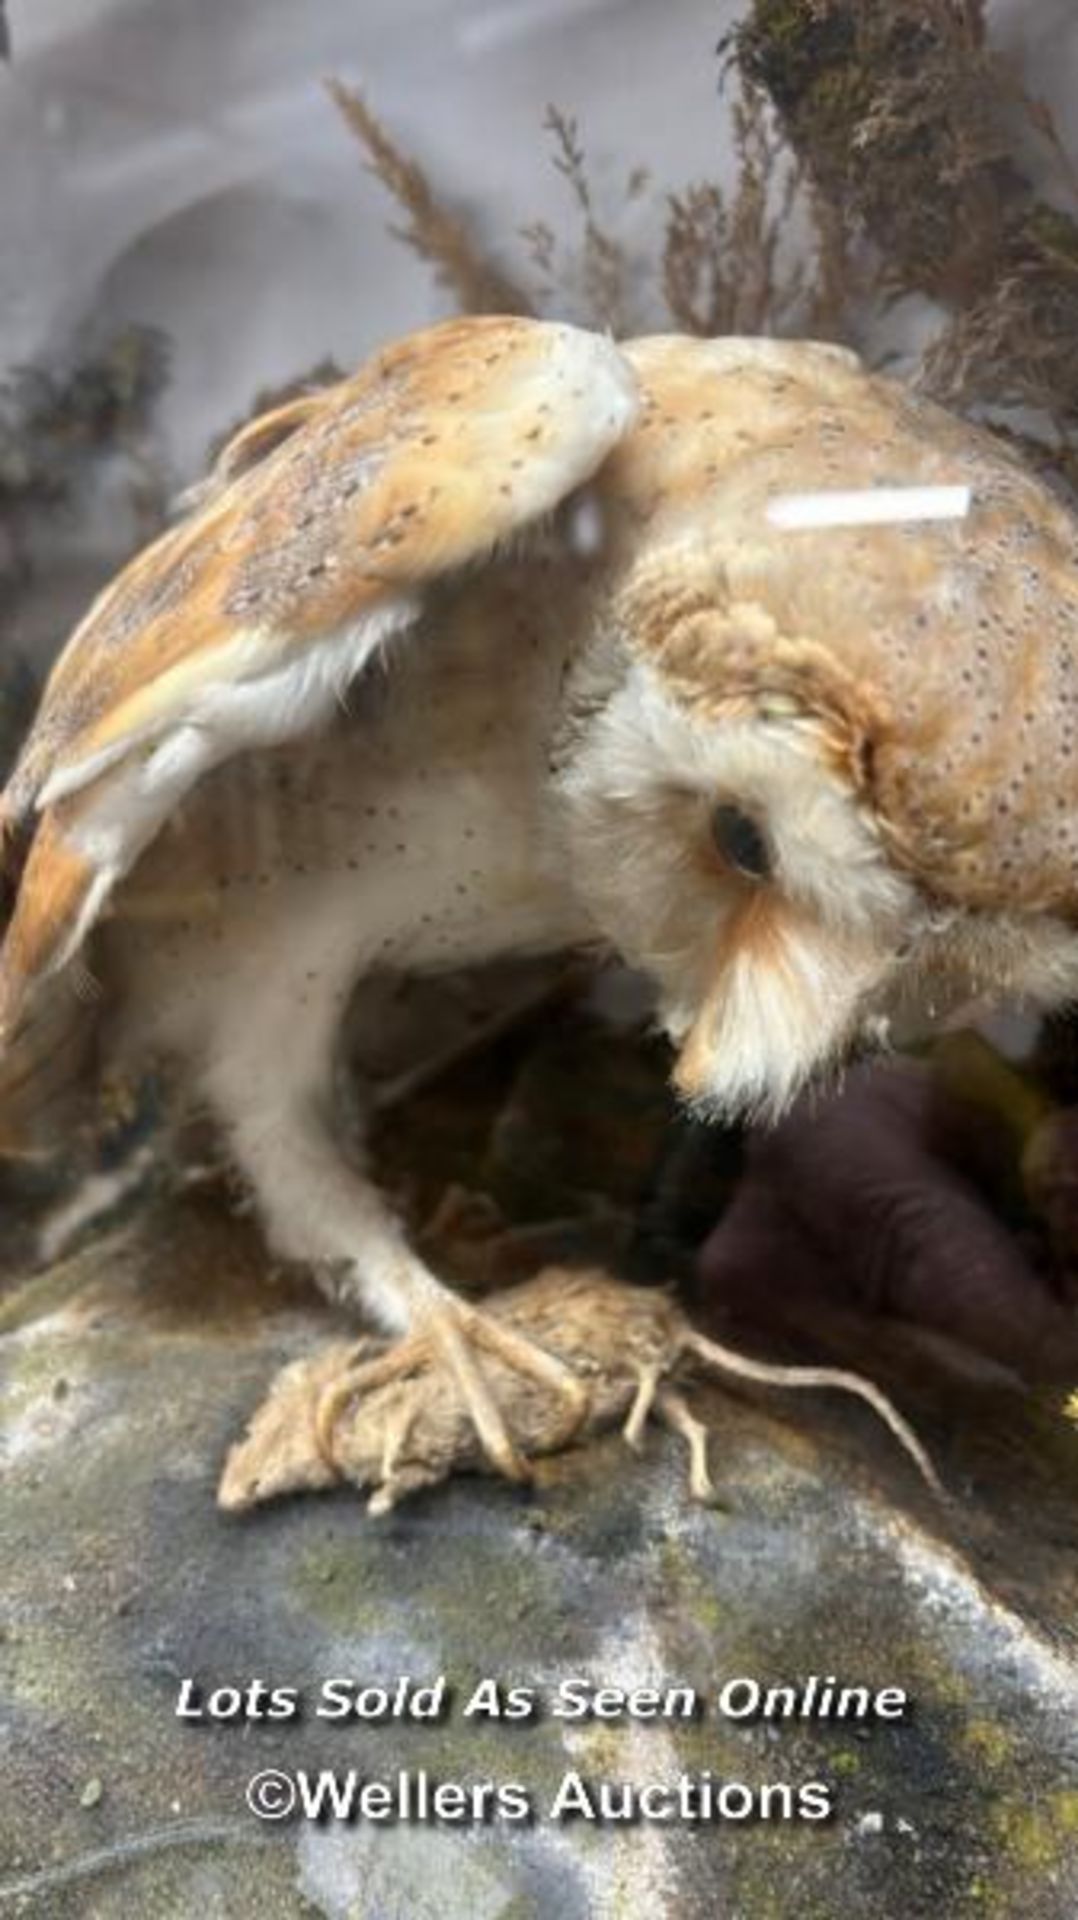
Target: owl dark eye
{"type": "Point", "coordinates": [740, 842]}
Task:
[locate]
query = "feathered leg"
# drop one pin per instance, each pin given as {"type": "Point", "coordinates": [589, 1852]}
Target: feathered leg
{"type": "Point", "coordinates": [319, 1209]}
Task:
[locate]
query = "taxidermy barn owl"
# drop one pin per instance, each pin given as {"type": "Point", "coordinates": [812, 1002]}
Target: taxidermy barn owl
{"type": "Point", "coordinates": [521, 640]}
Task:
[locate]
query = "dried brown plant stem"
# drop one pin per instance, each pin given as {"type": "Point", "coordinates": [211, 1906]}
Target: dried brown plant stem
{"type": "Point", "coordinates": [717, 266]}
{"type": "Point", "coordinates": [605, 275]}
{"type": "Point", "coordinates": [721, 271]}
{"type": "Point", "coordinates": [439, 236]}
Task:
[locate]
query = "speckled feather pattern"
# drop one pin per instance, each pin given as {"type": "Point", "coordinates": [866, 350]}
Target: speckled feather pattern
{"type": "Point", "coordinates": [470, 656]}
{"type": "Point", "coordinates": [410, 831]}
{"type": "Point", "coordinates": [533, 729]}
{"type": "Point", "coordinates": [246, 624]}
{"type": "Point", "coordinates": [946, 654]}
{"type": "Point", "coordinates": [427, 458]}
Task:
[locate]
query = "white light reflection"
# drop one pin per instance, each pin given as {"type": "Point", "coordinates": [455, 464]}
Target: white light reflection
{"type": "Point", "coordinates": [868, 507]}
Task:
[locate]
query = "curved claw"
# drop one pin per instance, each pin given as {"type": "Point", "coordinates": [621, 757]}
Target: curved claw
{"type": "Point", "coordinates": [495, 1336]}
{"type": "Point", "coordinates": [453, 1328]}
{"type": "Point", "coordinates": [394, 1365]}
{"type": "Point", "coordinates": [456, 1332]}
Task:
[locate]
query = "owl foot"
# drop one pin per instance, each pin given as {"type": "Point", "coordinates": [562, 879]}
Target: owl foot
{"type": "Point", "coordinates": [452, 1334]}
{"type": "Point", "coordinates": [396, 1419]}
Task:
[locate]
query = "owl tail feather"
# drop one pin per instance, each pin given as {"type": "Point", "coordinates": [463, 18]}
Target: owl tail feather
{"type": "Point", "coordinates": [47, 1063]}
{"type": "Point", "coordinates": [47, 1035]}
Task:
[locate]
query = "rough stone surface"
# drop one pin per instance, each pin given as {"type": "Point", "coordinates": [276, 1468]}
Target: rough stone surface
{"type": "Point", "coordinates": [129, 1368]}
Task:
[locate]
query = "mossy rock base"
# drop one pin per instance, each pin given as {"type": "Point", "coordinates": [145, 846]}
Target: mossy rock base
{"type": "Point", "coordinates": [130, 1368]}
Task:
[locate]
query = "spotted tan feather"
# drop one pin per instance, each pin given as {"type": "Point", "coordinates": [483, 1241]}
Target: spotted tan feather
{"type": "Point", "coordinates": [240, 627]}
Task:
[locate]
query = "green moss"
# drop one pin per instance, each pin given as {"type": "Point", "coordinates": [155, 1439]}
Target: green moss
{"type": "Point", "coordinates": [784, 45]}
{"type": "Point", "coordinates": [599, 1749]}
{"type": "Point", "coordinates": [989, 1743]}
{"type": "Point", "coordinates": [1048, 231]}
{"type": "Point", "coordinates": [1039, 1839]}
{"type": "Point", "coordinates": [331, 1584]}
{"type": "Point", "coordinates": [681, 1574]}
{"type": "Point", "coordinates": [838, 99]}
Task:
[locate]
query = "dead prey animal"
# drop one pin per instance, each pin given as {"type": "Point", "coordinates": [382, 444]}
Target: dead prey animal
{"type": "Point", "coordinates": [388, 1418]}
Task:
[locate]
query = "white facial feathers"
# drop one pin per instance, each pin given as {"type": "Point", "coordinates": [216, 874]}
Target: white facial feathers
{"type": "Point", "coordinates": [760, 982]}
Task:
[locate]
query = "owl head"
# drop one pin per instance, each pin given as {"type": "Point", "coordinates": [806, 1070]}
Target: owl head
{"type": "Point", "coordinates": [831, 787]}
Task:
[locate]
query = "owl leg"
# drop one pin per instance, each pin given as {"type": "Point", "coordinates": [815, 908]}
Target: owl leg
{"type": "Point", "coordinates": [320, 1209]}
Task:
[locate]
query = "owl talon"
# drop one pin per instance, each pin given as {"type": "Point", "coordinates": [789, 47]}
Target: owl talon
{"type": "Point", "coordinates": [429, 1407]}
{"type": "Point", "coordinates": [460, 1328]}
{"type": "Point", "coordinates": [455, 1329]}
{"type": "Point", "coordinates": [390, 1492]}
{"type": "Point", "coordinates": [453, 1332]}
{"type": "Point", "coordinates": [400, 1361]}
{"type": "Point", "coordinates": [523, 1356]}
{"type": "Point", "coordinates": [397, 1433]}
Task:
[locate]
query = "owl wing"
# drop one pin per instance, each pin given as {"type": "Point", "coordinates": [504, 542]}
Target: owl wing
{"type": "Point", "coordinates": [311, 547]}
